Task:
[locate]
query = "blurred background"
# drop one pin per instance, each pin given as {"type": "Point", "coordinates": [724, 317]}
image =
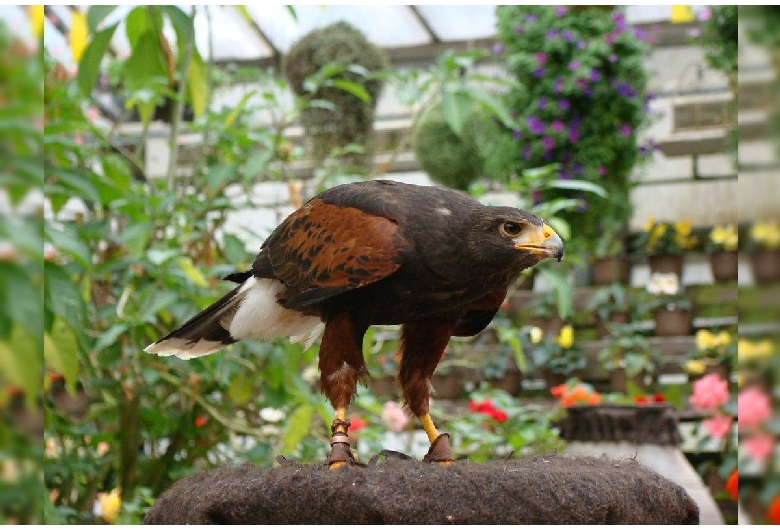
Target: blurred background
{"type": "Point", "coordinates": [172, 139]}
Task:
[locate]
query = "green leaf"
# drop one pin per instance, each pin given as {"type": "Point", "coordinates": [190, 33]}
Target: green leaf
{"type": "Point", "coordinates": [20, 362]}
{"type": "Point", "coordinates": [579, 185]}
{"type": "Point", "coordinates": [146, 62]}
{"type": "Point", "coordinates": [298, 426]}
{"type": "Point", "coordinates": [109, 336]}
{"type": "Point", "coordinates": [455, 105]}
{"type": "Point", "coordinates": [220, 175]}
{"type": "Point", "coordinates": [235, 250]}
{"type": "Point", "coordinates": [197, 85]}
{"type": "Point", "coordinates": [240, 390]}
{"type": "Point", "coordinates": [239, 108]}
{"type": "Point", "coordinates": [136, 236]}
{"type": "Point", "coordinates": [494, 106]}
{"type": "Point", "coordinates": [191, 271]}
{"type": "Point", "coordinates": [60, 352]}
{"type": "Point", "coordinates": [181, 24]}
{"type": "Point", "coordinates": [563, 290]}
{"type": "Point", "coordinates": [353, 88]}
{"type": "Point", "coordinates": [96, 15]}
{"type": "Point", "coordinates": [142, 20]}
{"type": "Point", "coordinates": [89, 66]}
{"type": "Point", "coordinates": [69, 244]}
{"type": "Point", "coordinates": [62, 297]}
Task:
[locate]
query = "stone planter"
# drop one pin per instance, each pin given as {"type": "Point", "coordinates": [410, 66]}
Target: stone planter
{"type": "Point", "coordinates": [607, 271]}
{"type": "Point", "coordinates": [724, 265]}
{"type": "Point", "coordinates": [765, 265]}
{"type": "Point", "coordinates": [673, 322]}
{"type": "Point", "coordinates": [667, 263]}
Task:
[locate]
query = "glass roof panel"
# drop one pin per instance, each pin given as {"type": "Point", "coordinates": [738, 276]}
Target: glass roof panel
{"type": "Point", "coordinates": [233, 38]}
{"type": "Point", "coordinates": [460, 22]}
{"type": "Point", "coordinates": [384, 25]}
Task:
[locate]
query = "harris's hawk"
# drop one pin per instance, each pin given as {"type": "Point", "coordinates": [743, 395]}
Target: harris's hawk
{"type": "Point", "coordinates": [429, 258]}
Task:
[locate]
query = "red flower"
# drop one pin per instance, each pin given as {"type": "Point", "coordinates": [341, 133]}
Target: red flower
{"type": "Point", "coordinates": [201, 421]}
{"type": "Point", "coordinates": [499, 415]}
{"type": "Point", "coordinates": [659, 398]}
{"type": "Point", "coordinates": [773, 512]}
{"type": "Point", "coordinates": [558, 391]}
{"type": "Point", "coordinates": [641, 400]}
{"type": "Point", "coordinates": [732, 485]}
{"type": "Point", "coordinates": [356, 423]}
{"type": "Point", "coordinates": [488, 409]}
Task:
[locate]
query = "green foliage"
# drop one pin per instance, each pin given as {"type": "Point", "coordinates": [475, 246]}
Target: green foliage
{"type": "Point", "coordinates": [629, 350]}
{"type": "Point", "coordinates": [583, 102]}
{"type": "Point", "coordinates": [338, 64]}
{"type": "Point", "coordinates": [611, 299]}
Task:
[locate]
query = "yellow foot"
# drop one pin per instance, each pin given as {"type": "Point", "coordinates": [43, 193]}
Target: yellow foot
{"type": "Point", "coordinates": [440, 451]}
{"type": "Point", "coordinates": [336, 465]}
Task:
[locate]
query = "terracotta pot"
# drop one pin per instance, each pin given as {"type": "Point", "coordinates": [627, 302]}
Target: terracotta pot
{"type": "Point", "coordinates": [618, 318]}
{"type": "Point", "coordinates": [725, 265]}
{"type": "Point", "coordinates": [607, 271]}
{"type": "Point", "coordinates": [673, 322]}
{"type": "Point", "coordinates": [667, 263]}
{"type": "Point", "coordinates": [765, 265]}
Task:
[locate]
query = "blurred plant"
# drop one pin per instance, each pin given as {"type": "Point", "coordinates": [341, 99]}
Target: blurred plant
{"type": "Point", "coordinates": [664, 290]}
{"type": "Point", "coordinates": [556, 353]}
{"type": "Point", "coordinates": [575, 392]}
{"type": "Point", "coordinates": [764, 235]}
{"type": "Point", "coordinates": [664, 237]}
{"type": "Point", "coordinates": [582, 102]}
{"type": "Point", "coordinates": [711, 349]}
{"type": "Point", "coordinates": [723, 238]}
{"type": "Point", "coordinates": [629, 350]}
{"type": "Point", "coordinates": [613, 299]}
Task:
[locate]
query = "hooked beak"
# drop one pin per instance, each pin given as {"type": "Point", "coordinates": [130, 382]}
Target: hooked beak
{"type": "Point", "coordinates": [542, 242]}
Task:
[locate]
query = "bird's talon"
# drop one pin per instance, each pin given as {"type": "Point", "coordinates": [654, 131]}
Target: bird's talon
{"type": "Point", "coordinates": [440, 451]}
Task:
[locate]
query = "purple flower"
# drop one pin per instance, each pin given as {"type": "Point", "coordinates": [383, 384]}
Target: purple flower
{"type": "Point", "coordinates": [595, 76]}
{"type": "Point", "coordinates": [564, 175]}
{"type": "Point", "coordinates": [613, 58]}
{"type": "Point", "coordinates": [583, 206]}
{"type": "Point", "coordinates": [625, 90]}
{"type": "Point", "coordinates": [601, 171]}
{"type": "Point", "coordinates": [530, 19]}
{"type": "Point", "coordinates": [609, 38]}
{"type": "Point", "coordinates": [588, 92]}
{"type": "Point", "coordinates": [558, 85]}
{"type": "Point", "coordinates": [704, 14]}
{"type": "Point", "coordinates": [650, 96]}
{"type": "Point", "coordinates": [643, 150]}
{"type": "Point", "coordinates": [552, 34]}
{"type": "Point", "coordinates": [574, 135]}
{"type": "Point", "coordinates": [567, 35]}
{"type": "Point", "coordinates": [540, 57]}
{"type": "Point", "coordinates": [535, 125]}
{"type": "Point", "coordinates": [580, 45]}
{"type": "Point", "coordinates": [561, 11]}
{"type": "Point", "coordinates": [640, 34]}
{"type": "Point", "coordinates": [625, 130]}
{"type": "Point", "coordinates": [542, 103]}
{"type": "Point", "coordinates": [574, 65]}
{"type": "Point", "coordinates": [526, 152]}
{"type": "Point", "coordinates": [577, 169]}
{"type": "Point", "coordinates": [498, 48]}
{"type": "Point", "coordinates": [564, 104]}
{"type": "Point", "coordinates": [516, 133]}
{"type": "Point", "coordinates": [539, 73]}
{"type": "Point", "coordinates": [557, 126]}
{"type": "Point", "coordinates": [581, 83]}
{"type": "Point", "coordinates": [518, 30]}
{"type": "Point", "coordinates": [536, 196]}
{"type": "Point", "coordinates": [548, 143]}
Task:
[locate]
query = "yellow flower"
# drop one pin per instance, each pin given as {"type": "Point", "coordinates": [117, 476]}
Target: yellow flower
{"type": "Point", "coordinates": [656, 233]}
{"type": "Point", "coordinates": [764, 349]}
{"type": "Point", "coordinates": [768, 234]}
{"type": "Point", "coordinates": [683, 227]}
{"type": "Point", "coordinates": [748, 350]}
{"type": "Point", "coordinates": [705, 340]}
{"type": "Point", "coordinates": [566, 337]}
{"type": "Point", "coordinates": [110, 504]}
{"type": "Point", "coordinates": [536, 335]}
{"type": "Point", "coordinates": [649, 223]}
{"type": "Point", "coordinates": [36, 19]}
{"type": "Point", "coordinates": [725, 236]}
{"type": "Point", "coordinates": [695, 367]}
{"type": "Point", "coordinates": [724, 338]}
{"type": "Point", "coordinates": [78, 34]}
{"type": "Point", "coordinates": [682, 14]}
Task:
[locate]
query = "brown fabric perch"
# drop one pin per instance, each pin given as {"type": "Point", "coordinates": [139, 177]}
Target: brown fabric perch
{"type": "Point", "coordinates": [540, 490]}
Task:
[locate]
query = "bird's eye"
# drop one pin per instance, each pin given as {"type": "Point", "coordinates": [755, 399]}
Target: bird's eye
{"type": "Point", "coordinates": [510, 229]}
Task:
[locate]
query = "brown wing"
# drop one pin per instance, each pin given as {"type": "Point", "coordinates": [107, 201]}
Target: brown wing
{"type": "Point", "coordinates": [323, 249]}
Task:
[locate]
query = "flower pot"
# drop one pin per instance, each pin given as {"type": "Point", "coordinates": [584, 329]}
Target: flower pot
{"type": "Point", "coordinates": [667, 263]}
{"type": "Point", "coordinates": [547, 325]}
{"type": "Point", "coordinates": [450, 385]}
{"type": "Point", "coordinates": [765, 265]}
{"type": "Point", "coordinates": [621, 317]}
{"type": "Point", "coordinates": [607, 271]}
{"type": "Point", "coordinates": [673, 322]}
{"type": "Point", "coordinates": [724, 265]}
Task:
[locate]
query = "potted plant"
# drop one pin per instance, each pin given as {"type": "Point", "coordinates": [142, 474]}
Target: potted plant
{"type": "Point", "coordinates": [543, 312]}
{"type": "Point", "coordinates": [665, 243]}
{"type": "Point", "coordinates": [669, 305]}
{"type": "Point", "coordinates": [612, 303]}
{"type": "Point", "coordinates": [628, 356]}
{"type": "Point", "coordinates": [610, 264]}
{"type": "Point", "coordinates": [713, 353]}
{"type": "Point", "coordinates": [764, 251]}
{"type": "Point", "coordinates": [722, 251]}
{"type": "Point", "coordinates": [555, 355]}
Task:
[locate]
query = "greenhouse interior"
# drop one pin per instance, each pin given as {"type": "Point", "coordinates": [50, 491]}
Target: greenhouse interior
{"type": "Point", "coordinates": [174, 140]}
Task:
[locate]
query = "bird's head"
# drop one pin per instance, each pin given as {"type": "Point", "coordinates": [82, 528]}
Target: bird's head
{"type": "Point", "coordinates": [506, 235]}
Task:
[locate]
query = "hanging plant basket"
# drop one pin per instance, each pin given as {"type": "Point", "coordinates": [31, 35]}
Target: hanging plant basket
{"type": "Point", "coordinates": [673, 322]}
{"type": "Point", "coordinates": [725, 265]}
{"type": "Point", "coordinates": [765, 265]}
{"type": "Point", "coordinates": [607, 271]}
{"type": "Point", "coordinates": [667, 263]}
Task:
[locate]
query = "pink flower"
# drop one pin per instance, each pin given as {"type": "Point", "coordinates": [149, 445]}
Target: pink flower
{"type": "Point", "coordinates": [394, 416]}
{"type": "Point", "coordinates": [540, 57]}
{"type": "Point", "coordinates": [718, 426]}
{"type": "Point", "coordinates": [753, 408]}
{"type": "Point", "coordinates": [709, 393]}
{"type": "Point", "coordinates": [760, 446]}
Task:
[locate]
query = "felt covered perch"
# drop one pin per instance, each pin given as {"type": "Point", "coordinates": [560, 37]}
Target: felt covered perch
{"type": "Point", "coordinates": [395, 489]}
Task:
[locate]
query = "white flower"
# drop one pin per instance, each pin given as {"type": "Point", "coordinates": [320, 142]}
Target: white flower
{"type": "Point", "coordinates": [536, 334]}
{"type": "Point", "coordinates": [663, 283]}
{"type": "Point", "coordinates": [271, 415]}
{"type": "Point", "coordinates": [311, 374]}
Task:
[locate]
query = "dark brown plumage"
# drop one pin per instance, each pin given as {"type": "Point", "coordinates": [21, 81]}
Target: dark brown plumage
{"type": "Point", "coordinates": [378, 252]}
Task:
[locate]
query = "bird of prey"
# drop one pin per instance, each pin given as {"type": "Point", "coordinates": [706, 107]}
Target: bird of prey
{"type": "Point", "coordinates": [428, 258]}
